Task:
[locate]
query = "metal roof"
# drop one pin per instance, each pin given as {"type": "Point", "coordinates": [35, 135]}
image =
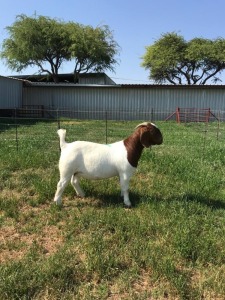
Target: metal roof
{"type": "Point", "coordinates": [29, 80]}
{"type": "Point", "coordinates": [130, 86]}
{"type": "Point", "coordinates": [65, 78]}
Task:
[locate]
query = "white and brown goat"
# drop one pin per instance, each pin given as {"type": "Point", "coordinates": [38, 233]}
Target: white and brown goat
{"type": "Point", "coordinates": [98, 161]}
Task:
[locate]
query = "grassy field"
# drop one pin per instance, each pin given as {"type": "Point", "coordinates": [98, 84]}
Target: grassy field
{"type": "Point", "coordinates": [170, 245]}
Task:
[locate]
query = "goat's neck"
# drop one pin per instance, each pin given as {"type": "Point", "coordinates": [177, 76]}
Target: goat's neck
{"type": "Point", "coordinates": [134, 148]}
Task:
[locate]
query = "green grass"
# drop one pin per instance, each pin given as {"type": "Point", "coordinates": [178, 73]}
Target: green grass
{"type": "Point", "coordinates": [170, 245]}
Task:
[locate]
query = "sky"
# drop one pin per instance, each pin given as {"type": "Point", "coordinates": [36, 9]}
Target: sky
{"type": "Point", "coordinates": [135, 25]}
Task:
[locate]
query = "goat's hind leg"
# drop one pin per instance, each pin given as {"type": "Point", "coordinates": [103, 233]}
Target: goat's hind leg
{"type": "Point", "coordinates": [75, 183]}
{"type": "Point", "coordinates": [60, 188]}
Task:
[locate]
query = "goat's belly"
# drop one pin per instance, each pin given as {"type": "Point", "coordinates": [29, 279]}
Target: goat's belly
{"type": "Point", "coordinates": [98, 173]}
{"type": "Point", "coordinates": [97, 177]}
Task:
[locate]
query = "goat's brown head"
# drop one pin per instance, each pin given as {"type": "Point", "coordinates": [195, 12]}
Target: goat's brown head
{"type": "Point", "coordinates": [149, 134]}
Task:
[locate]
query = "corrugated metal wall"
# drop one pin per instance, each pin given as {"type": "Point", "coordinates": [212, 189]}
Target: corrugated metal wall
{"type": "Point", "coordinates": [157, 100]}
{"type": "Point", "coordinates": [10, 93]}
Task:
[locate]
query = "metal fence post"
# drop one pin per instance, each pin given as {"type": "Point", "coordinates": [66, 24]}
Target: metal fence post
{"type": "Point", "coordinates": [16, 127]}
{"type": "Point", "coordinates": [58, 120]}
{"type": "Point", "coordinates": [152, 114]}
{"type": "Point", "coordinates": [218, 126]}
{"type": "Point", "coordinates": [106, 127]}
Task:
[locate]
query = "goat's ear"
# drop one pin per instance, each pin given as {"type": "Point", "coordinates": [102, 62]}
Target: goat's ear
{"type": "Point", "coordinates": [145, 137]}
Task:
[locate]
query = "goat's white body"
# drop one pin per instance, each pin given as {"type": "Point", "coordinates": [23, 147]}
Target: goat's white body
{"type": "Point", "coordinates": [97, 161]}
{"type": "Point", "coordinates": [92, 161]}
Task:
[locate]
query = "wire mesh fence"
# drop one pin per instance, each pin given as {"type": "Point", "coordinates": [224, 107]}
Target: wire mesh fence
{"type": "Point", "coordinates": [39, 128]}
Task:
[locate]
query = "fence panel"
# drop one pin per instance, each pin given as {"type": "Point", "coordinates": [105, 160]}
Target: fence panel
{"type": "Point", "coordinates": [97, 126]}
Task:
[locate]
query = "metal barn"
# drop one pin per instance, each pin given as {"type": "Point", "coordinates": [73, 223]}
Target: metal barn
{"type": "Point", "coordinates": [11, 93]}
{"type": "Point", "coordinates": [122, 101]}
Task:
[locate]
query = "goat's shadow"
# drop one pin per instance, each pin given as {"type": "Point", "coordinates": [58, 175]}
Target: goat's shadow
{"type": "Point", "coordinates": [103, 200]}
{"type": "Point", "coordinates": [114, 199]}
{"type": "Point", "coordinates": [212, 203]}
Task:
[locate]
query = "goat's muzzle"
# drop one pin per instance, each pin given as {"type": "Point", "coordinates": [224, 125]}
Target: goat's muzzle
{"type": "Point", "coordinates": [158, 138]}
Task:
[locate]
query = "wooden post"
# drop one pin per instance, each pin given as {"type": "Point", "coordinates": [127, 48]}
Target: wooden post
{"type": "Point", "coordinates": [178, 114]}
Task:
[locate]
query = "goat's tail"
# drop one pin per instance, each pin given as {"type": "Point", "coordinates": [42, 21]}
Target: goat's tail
{"type": "Point", "coordinates": [62, 137]}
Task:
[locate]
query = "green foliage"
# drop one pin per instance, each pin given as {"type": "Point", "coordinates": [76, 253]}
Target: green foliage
{"type": "Point", "coordinates": [36, 42]}
{"type": "Point", "coordinates": [174, 60]}
{"type": "Point", "coordinates": [46, 43]}
{"type": "Point", "coordinates": [93, 49]}
{"type": "Point", "coordinates": [169, 245]}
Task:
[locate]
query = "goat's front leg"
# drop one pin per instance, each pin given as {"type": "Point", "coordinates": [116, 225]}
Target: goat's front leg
{"type": "Point", "coordinates": [124, 184]}
{"type": "Point", "coordinates": [75, 183]}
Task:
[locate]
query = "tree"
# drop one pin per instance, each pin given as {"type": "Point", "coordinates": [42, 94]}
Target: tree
{"type": "Point", "coordinates": [46, 43]}
{"type": "Point", "coordinates": [173, 60]}
{"type": "Point", "coordinates": [92, 49]}
{"type": "Point", "coordinates": [37, 42]}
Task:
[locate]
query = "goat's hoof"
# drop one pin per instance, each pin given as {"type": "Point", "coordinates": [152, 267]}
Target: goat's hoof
{"type": "Point", "coordinates": [58, 203]}
{"type": "Point", "coordinates": [128, 206]}
{"type": "Point", "coordinates": [81, 195]}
